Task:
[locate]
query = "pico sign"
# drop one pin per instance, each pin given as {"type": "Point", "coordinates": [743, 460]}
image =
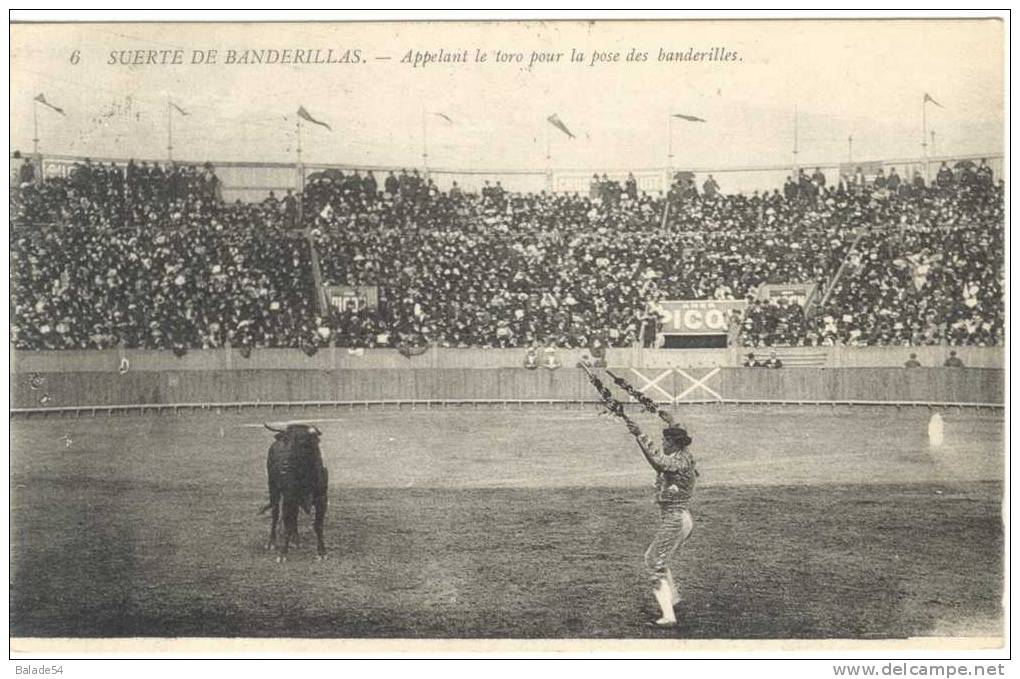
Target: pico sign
{"type": "Point", "coordinates": [702, 317]}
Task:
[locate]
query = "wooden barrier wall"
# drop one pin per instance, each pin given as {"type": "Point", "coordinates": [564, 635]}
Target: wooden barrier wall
{"type": "Point", "coordinates": [86, 388]}
{"type": "Point", "coordinates": [442, 358]}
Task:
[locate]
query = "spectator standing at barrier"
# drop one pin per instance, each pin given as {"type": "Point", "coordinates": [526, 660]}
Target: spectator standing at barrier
{"type": "Point", "coordinates": [773, 360]}
{"type": "Point", "coordinates": [953, 361]}
{"type": "Point", "coordinates": [751, 362]}
{"type": "Point", "coordinates": [912, 362]}
{"type": "Point", "coordinates": [531, 358]}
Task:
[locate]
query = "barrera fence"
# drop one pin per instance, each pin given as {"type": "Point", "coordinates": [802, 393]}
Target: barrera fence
{"type": "Point", "coordinates": [62, 392]}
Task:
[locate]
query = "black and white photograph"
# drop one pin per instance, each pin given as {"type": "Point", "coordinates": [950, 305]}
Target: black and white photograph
{"type": "Point", "coordinates": [688, 334]}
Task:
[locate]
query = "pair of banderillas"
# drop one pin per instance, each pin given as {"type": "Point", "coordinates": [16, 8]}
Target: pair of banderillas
{"type": "Point", "coordinates": [615, 406]}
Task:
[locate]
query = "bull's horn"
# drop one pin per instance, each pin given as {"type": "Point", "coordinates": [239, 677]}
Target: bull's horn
{"type": "Point", "coordinates": [316, 430]}
{"type": "Point", "coordinates": [272, 428]}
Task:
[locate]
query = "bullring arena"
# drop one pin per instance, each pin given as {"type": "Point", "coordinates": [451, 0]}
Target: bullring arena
{"type": "Point", "coordinates": [496, 502]}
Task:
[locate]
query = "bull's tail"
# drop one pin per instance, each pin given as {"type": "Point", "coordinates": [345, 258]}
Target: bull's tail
{"type": "Point", "coordinates": [265, 508]}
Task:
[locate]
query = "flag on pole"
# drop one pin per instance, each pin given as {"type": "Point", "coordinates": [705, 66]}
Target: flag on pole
{"type": "Point", "coordinates": [928, 97]}
{"type": "Point", "coordinates": [693, 119]}
{"type": "Point", "coordinates": [42, 100]}
{"type": "Point", "coordinates": [558, 124]}
{"type": "Point", "coordinates": [443, 116]}
{"type": "Point", "coordinates": [179, 109]}
{"type": "Point", "coordinates": [302, 113]}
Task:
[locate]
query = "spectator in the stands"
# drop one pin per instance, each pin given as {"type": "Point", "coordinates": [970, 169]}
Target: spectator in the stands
{"type": "Point", "coordinates": [912, 362]}
{"type": "Point", "coordinates": [944, 179]}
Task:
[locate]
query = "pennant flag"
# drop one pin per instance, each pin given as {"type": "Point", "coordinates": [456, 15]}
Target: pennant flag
{"type": "Point", "coordinates": [302, 113]}
{"type": "Point", "coordinates": [927, 98]}
{"type": "Point", "coordinates": [42, 100]}
{"type": "Point", "coordinates": [693, 119]}
{"type": "Point", "coordinates": [443, 116]}
{"type": "Point", "coordinates": [179, 109]}
{"type": "Point", "coordinates": [558, 124]}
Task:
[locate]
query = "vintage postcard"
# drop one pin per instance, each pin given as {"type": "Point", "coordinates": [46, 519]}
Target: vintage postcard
{"type": "Point", "coordinates": [508, 335]}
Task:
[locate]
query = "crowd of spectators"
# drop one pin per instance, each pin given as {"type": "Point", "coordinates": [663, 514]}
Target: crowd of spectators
{"type": "Point", "coordinates": [151, 256]}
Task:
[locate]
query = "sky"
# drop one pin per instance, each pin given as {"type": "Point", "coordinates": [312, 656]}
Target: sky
{"type": "Point", "coordinates": [837, 79]}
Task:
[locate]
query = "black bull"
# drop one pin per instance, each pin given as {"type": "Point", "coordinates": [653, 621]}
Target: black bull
{"type": "Point", "coordinates": [298, 478]}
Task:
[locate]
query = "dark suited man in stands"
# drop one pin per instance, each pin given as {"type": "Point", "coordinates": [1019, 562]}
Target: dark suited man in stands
{"type": "Point", "coordinates": [818, 177]}
{"type": "Point", "coordinates": [271, 203]}
{"type": "Point", "coordinates": [984, 175]}
{"type": "Point", "coordinates": [806, 189]}
{"type": "Point", "coordinates": [418, 185]}
{"type": "Point", "coordinates": [290, 209]}
{"type": "Point", "coordinates": [369, 187]}
{"type": "Point", "coordinates": [880, 180]}
{"type": "Point", "coordinates": [918, 181]}
{"type": "Point", "coordinates": [751, 362]}
{"type": "Point", "coordinates": [859, 180]}
{"type": "Point", "coordinates": [631, 186]}
{"type": "Point", "coordinates": [405, 187]}
{"type": "Point", "coordinates": [945, 176]}
{"type": "Point", "coordinates": [26, 173]}
{"type": "Point", "coordinates": [353, 183]}
{"type": "Point", "coordinates": [912, 362]}
{"type": "Point", "coordinates": [391, 185]}
{"type": "Point", "coordinates": [710, 187]}
{"type": "Point", "coordinates": [606, 189]}
{"type": "Point", "coordinates": [790, 189]}
{"type": "Point", "coordinates": [953, 361]}
{"type": "Point", "coordinates": [893, 182]}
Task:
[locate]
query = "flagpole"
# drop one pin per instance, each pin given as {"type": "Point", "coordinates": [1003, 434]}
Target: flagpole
{"type": "Point", "coordinates": [933, 152]}
{"type": "Point", "coordinates": [850, 148]}
{"type": "Point", "coordinates": [300, 167]}
{"type": "Point", "coordinates": [669, 140]}
{"type": "Point", "coordinates": [35, 128]}
{"type": "Point", "coordinates": [424, 141]}
{"type": "Point", "coordinates": [169, 132]}
{"type": "Point", "coordinates": [795, 135]}
{"type": "Point", "coordinates": [548, 160]}
{"type": "Point", "coordinates": [924, 136]}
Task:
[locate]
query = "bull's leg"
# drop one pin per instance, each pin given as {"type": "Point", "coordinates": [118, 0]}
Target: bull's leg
{"type": "Point", "coordinates": [289, 526]}
{"type": "Point", "coordinates": [274, 501]}
{"type": "Point", "coordinates": [320, 518]}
